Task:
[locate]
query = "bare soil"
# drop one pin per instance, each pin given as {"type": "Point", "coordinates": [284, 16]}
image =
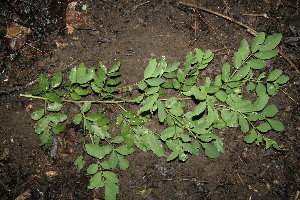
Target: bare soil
{"type": "Point", "coordinates": [134, 32]}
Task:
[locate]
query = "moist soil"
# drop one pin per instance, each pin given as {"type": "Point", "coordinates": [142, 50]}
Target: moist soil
{"type": "Point", "coordinates": [134, 32]}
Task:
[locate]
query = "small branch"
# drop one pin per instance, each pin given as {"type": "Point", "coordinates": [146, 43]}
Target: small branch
{"type": "Point", "coordinates": [249, 29]}
{"type": "Point", "coordinates": [72, 101]}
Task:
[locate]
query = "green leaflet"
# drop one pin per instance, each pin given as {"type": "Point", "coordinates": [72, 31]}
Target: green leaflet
{"type": "Point", "coordinates": [271, 42]}
{"type": "Point", "coordinates": [264, 127]}
{"type": "Point", "coordinates": [54, 107]}
{"type": "Point", "coordinates": [172, 66]}
{"type": "Point", "coordinates": [96, 181]}
{"type": "Point", "coordinates": [237, 60]}
{"type": "Point", "coordinates": [92, 169]}
{"type": "Point", "coordinates": [257, 42]}
{"type": "Point", "coordinates": [199, 94]}
{"type": "Point", "coordinates": [250, 138]}
{"type": "Point", "coordinates": [243, 124]}
{"type": "Point", "coordinates": [274, 75]}
{"type": "Point", "coordinates": [210, 150]}
{"type": "Point", "coordinates": [115, 67]}
{"type": "Point", "coordinates": [150, 69]}
{"type": "Point", "coordinates": [38, 114]}
{"type": "Point", "coordinates": [225, 72]}
{"type": "Point", "coordinates": [124, 150]}
{"type": "Point", "coordinates": [256, 63]}
{"type": "Point", "coordinates": [282, 79]}
{"type": "Point", "coordinates": [148, 103]}
{"type": "Point", "coordinates": [244, 50]}
{"type": "Point", "coordinates": [43, 83]}
{"type": "Point", "coordinates": [56, 80]}
{"type": "Point", "coordinates": [79, 162]}
{"type": "Point", "coordinates": [155, 81]}
{"type": "Point", "coordinates": [86, 106]}
{"type": "Point", "coordinates": [96, 151]}
{"type": "Point", "coordinates": [250, 86]}
{"type": "Point", "coordinates": [276, 125]}
{"type": "Point", "coordinates": [154, 144]}
{"type": "Point", "coordinates": [270, 111]}
{"type": "Point", "coordinates": [267, 54]}
{"type": "Point", "coordinates": [161, 111]}
{"type": "Point", "coordinates": [243, 72]}
{"type": "Point", "coordinates": [260, 102]}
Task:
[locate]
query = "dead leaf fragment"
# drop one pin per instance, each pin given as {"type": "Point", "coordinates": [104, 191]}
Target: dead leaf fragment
{"type": "Point", "coordinates": [76, 19]}
{"type": "Point", "coordinates": [24, 196]}
{"type": "Point", "coordinates": [4, 153]}
{"type": "Point", "coordinates": [17, 36]}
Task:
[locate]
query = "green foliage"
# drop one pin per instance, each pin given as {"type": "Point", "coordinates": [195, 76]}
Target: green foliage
{"type": "Point", "coordinates": [218, 104]}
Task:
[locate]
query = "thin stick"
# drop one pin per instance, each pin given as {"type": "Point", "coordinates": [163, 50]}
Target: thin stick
{"type": "Point", "coordinates": [249, 29]}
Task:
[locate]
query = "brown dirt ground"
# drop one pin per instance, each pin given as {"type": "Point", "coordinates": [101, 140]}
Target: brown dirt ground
{"type": "Point", "coordinates": [132, 34]}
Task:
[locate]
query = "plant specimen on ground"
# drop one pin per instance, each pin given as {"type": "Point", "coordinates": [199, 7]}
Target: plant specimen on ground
{"type": "Point", "coordinates": [164, 94]}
